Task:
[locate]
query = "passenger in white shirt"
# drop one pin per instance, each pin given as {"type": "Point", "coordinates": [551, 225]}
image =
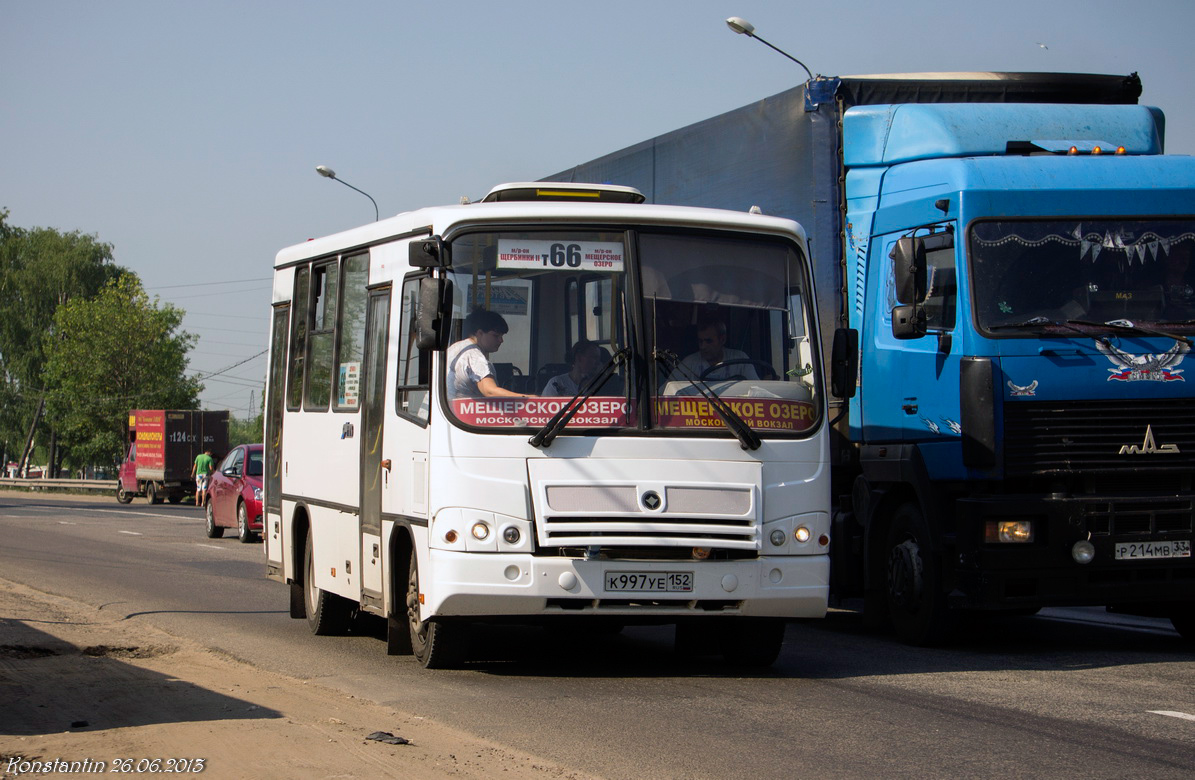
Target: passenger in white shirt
{"type": "Point", "coordinates": [712, 351]}
{"type": "Point", "coordinates": [470, 372]}
{"type": "Point", "coordinates": [585, 356]}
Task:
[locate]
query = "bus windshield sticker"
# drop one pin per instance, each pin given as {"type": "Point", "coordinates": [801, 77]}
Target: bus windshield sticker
{"type": "Point", "coordinates": [531, 255]}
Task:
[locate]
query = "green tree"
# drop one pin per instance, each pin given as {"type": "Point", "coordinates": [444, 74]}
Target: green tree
{"type": "Point", "coordinates": [245, 431]}
{"type": "Point", "coordinates": [40, 269]}
{"type": "Point", "coordinates": [115, 352]}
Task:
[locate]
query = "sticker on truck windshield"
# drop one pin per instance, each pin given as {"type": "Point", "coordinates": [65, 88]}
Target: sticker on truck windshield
{"type": "Point", "coordinates": [535, 255]}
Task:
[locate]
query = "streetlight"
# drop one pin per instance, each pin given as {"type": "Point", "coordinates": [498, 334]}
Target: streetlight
{"type": "Point", "coordinates": [743, 27]}
{"type": "Point", "coordinates": [328, 173]}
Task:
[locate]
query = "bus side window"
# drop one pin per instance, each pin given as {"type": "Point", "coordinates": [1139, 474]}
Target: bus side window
{"type": "Point", "coordinates": [321, 336]}
{"type": "Point", "coordinates": [350, 344]}
{"type": "Point", "coordinates": [412, 396]}
{"type": "Point", "coordinates": [298, 339]}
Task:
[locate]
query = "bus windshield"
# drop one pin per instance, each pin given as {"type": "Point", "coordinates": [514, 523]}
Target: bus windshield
{"type": "Point", "coordinates": [540, 315]}
{"type": "Point", "coordinates": [1043, 272]}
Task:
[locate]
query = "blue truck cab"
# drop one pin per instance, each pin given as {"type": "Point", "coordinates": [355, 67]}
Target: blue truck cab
{"type": "Point", "coordinates": [1006, 297]}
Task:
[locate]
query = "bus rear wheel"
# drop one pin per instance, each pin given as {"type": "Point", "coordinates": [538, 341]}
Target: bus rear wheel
{"type": "Point", "coordinates": [327, 613]}
{"type": "Point", "coordinates": [752, 641]}
{"type": "Point", "coordinates": [435, 644]}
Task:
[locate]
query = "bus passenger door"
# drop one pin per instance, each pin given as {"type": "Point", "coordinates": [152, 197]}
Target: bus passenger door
{"type": "Point", "coordinates": [373, 463]}
{"type": "Point", "coordinates": [271, 522]}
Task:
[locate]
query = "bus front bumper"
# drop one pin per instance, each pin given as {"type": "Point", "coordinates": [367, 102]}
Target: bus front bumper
{"type": "Point", "coordinates": [502, 585]}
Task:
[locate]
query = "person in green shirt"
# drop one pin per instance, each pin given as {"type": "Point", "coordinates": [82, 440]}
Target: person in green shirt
{"type": "Point", "coordinates": [203, 466]}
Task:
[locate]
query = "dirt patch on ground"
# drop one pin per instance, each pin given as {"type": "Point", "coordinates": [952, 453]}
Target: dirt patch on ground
{"type": "Point", "coordinates": [79, 688]}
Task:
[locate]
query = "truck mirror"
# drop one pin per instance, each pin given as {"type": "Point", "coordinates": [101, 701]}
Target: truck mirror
{"type": "Point", "coordinates": [426, 252]}
{"type": "Point", "coordinates": [909, 267]}
{"type": "Point", "coordinates": [908, 322]}
{"type": "Point", "coordinates": [431, 313]}
{"type": "Point", "coordinates": [844, 362]}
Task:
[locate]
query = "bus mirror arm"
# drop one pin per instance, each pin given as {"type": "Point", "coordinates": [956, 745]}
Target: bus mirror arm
{"type": "Point", "coordinates": [426, 252]}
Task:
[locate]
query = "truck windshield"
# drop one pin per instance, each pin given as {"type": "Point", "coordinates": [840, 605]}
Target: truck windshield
{"type": "Point", "coordinates": [1137, 271]}
{"type": "Point", "coordinates": [540, 313]}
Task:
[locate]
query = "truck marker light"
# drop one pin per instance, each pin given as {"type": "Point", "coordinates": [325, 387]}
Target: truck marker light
{"type": "Point", "coordinates": [1083, 551]}
{"type": "Point", "coordinates": [1008, 531]}
{"type": "Point", "coordinates": [1097, 150]}
{"type": "Point", "coordinates": [802, 534]}
{"type": "Point", "coordinates": [778, 538]}
{"type": "Point", "coordinates": [1073, 150]}
{"type": "Point", "coordinates": [1120, 150]}
{"type": "Point", "coordinates": [481, 532]}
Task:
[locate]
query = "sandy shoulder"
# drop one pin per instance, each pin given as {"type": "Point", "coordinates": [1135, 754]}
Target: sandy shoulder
{"type": "Point", "coordinates": [144, 694]}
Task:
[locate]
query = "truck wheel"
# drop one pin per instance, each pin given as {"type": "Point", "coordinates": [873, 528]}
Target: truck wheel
{"type": "Point", "coordinates": [327, 613]}
{"type": "Point", "coordinates": [1182, 617]}
{"type": "Point", "coordinates": [436, 645]}
{"type": "Point", "coordinates": [213, 531]}
{"type": "Point", "coordinates": [243, 532]}
{"type": "Point", "coordinates": [151, 492]}
{"type": "Point", "coordinates": [122, 495]}
{"type": "Point", "coordinates": [752, 641]}
{"type": "Point", "coordinates": [916, 602]}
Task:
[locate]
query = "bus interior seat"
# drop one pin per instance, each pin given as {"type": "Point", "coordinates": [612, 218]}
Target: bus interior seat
{"type": "Point", "coordinates": [546, 372]}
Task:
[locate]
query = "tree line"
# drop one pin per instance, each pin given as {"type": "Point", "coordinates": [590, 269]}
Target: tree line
{"type": "Point", "coordinates": [81, 343]}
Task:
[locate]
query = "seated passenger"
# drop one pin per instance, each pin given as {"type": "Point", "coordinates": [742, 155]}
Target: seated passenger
{"type": "Point", "coordinates": [585, 357]}
{"type": "Point", "coordinates": [470, 372]}
{"type": "Point", "coordinates": [711, 353]}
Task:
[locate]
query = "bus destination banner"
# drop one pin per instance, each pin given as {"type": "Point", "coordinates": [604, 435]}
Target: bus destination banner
{"type": "Point", "coordinates": [771, 414]}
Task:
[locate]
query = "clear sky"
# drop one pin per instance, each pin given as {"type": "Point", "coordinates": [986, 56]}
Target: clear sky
{"type": "Point", "coordinates": [187, 133]}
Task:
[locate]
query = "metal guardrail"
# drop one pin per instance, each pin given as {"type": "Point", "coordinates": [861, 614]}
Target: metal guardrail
{"type": "Point", "coordinates": [61, 484]}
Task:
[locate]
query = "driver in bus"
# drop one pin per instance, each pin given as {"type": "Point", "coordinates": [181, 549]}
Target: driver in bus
{"type": "Point", "coordinates": [711, 353]}
{"type": "Point", "coordinates": [584, 359]}
{"type": "Point", "coordinates": [470, 372]}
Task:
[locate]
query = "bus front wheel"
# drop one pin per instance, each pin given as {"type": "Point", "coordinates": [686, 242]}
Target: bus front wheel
{"type": "Point", "coordinates": [435, 644]}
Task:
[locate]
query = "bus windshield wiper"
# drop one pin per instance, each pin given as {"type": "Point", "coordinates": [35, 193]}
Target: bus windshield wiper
{"type": "Point", "coordinates": [747, 437]}
{"type": "Point", "coordinates": [1132, 327]}
{"type": "Point", "coordinates": [543, 437]}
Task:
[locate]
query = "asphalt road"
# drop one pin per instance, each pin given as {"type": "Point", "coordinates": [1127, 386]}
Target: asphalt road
{"type": "Point", "coordinates": [1070, 692]}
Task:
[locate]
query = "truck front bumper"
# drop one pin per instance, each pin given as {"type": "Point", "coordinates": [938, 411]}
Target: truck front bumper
{"type": "Point", "coordinates": [1045, 572]}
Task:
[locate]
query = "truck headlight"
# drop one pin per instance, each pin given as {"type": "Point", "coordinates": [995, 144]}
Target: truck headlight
{"type": "Point", "coordinates": [1008, 531]}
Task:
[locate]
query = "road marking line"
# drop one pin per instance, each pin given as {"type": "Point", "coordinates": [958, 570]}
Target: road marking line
{"type": "Point", "coordinates": [130, 533]}
{"type": "Point", "coordinates": [64, 522]}
{"type": "Point", "coordinates": [211, 546]}
{"type": "Point", "coordinates": [1171, 714]}
{"type": "Point", "coordinates": [130, 512]}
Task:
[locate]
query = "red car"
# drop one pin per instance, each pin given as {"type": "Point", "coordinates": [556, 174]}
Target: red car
{"type": "Point", "coordinates": [234, 494]}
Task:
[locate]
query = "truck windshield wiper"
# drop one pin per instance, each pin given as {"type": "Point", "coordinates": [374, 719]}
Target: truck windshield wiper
{"type": "Point", "coordinates": [735, 424]}
{"type": "Point", "coordinates": [1132, 327]}
{"type": "Point", "coordinates": [544, 436]}
{"type": "Point", "coordinates": [1031, 322]}
{"type": "Point", "coordinates": [1068, 325]}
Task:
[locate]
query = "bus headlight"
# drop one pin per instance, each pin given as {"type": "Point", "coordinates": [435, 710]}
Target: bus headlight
{"type": "Point", "coordinates": [511, 534]}
{"type": "Point", "coordinates": [481, 531]}
{"type": "Point", "coordinates": [778, 538]}
{"type": "Point", "coordinates": [802, 534]}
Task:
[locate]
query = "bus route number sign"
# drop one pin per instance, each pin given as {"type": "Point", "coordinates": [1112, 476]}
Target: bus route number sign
{"type": "Point", "coordinates": [538, 255]}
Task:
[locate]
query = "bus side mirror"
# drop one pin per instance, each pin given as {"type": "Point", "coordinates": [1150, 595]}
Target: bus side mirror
{"type": "Point", "coordinates": [431, 314]}
{"type": "Point", "coordinates": [844, 362]}
{"type": "Point", "coordinates": [909, 267]}
{"type": "Point", "coordinates": [426, 252]}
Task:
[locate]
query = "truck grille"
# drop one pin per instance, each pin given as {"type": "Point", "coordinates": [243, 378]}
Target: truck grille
{"type": "Point", "coordinates": [1141, 517]}
{"type": "Point", "coordinates": [1047, 438]}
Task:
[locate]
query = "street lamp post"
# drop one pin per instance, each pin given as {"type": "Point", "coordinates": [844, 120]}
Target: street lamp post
{"type": "Point", "coordinates": [328, 173]}
{"type": "Point", "coordinates": [743, 27]}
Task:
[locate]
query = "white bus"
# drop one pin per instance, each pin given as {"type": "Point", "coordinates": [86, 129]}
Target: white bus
{"type": "Point", "coordinates": [422, 465]}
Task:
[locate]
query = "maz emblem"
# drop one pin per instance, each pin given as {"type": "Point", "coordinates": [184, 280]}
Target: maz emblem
{"type": "Point", "coordinates": [1148, 447]}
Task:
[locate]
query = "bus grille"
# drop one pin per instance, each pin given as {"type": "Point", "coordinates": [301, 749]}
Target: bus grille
{"type": "Point", "coordinates": [1046, 438]}
{"type": "Point", "coordinates": [654, 530]}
